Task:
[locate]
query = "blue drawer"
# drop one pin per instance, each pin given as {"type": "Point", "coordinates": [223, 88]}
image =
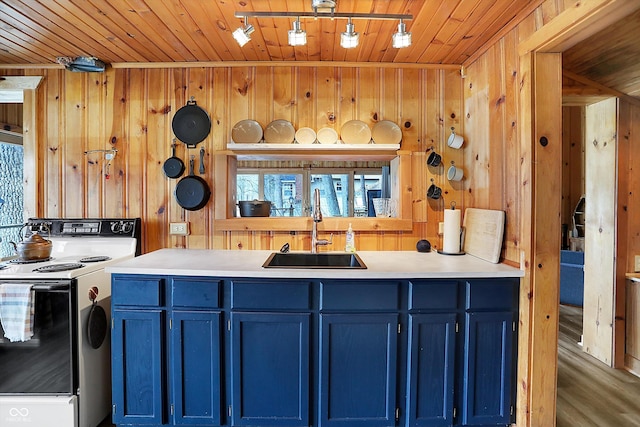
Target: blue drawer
{"type": "Point", "coordinates": [492, 295]}
{"type": "Point", "coordinates": [270, 295]}
{"type": "Point", "coordinates": [433, 295]}
{"type": "Point", "coordinates": [359, 296]}
{"type": "Point", "coordinates": [136, 290]}
{"type": "Point", "coordinates": [192, 292]}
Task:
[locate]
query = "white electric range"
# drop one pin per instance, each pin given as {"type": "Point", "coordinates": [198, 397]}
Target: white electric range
{"type": "Point", "coordinates": [61, 377]}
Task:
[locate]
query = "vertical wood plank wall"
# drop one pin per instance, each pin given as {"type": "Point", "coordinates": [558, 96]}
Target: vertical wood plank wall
{"type": "Point", "coordinates": [572, 161]}
{"type": "Point", "coordinates": [131, 110]}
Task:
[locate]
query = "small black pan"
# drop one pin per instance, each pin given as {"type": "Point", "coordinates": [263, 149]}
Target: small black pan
{"type": "Point", "coordinates": [173, 167]}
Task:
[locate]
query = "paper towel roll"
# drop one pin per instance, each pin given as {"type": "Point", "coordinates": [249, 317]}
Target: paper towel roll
{"type": "Point", "coordinates": [451, 243]}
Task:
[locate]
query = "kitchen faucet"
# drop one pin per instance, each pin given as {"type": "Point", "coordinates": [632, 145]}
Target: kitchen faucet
{"type": "Point", "coordinates": [317, 217]}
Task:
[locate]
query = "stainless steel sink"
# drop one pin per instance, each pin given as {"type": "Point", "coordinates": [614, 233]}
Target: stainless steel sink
{"type": "Point", "coordinates": [309, 260]}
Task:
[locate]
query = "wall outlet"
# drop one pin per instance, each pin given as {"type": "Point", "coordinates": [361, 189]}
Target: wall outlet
{"type": "Point", "coordinates": [179, 228]}
{"type": "Point", "coordinates": [636, 263]}
{"type": "Point", "coordinates": [441, 228]}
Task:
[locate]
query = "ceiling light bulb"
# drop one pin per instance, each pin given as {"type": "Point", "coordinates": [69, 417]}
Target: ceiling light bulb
{"type": "Point", "coordinates": [297, 36]}
{"type": "Point", "coordinates": [243, 35]}
{"type": "Point", "coordinates": [401, 38]}
{"type": "Point", "coordinates": [349, 39]}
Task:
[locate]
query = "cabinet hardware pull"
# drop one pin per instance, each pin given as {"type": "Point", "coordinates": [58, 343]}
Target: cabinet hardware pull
{"type": "Point", "coordinates": [397, 414]}
{"type": "Point", "coordinates": [229, 410]}
{"type": "Point", "coordinates": [398, 327]}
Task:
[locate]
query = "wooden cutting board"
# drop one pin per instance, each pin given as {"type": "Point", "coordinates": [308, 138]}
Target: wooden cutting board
{"type": "Point", "coordinates": [483, 232]}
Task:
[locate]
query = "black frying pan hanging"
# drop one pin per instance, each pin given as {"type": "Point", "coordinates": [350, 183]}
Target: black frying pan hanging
{"type": "Point", "coordinates": [97, 321]}
{"type": "Point", "coordinates": [191, 124]}
{"type": "Point", "coordinates": [192, 192]}
{"type": "Point", "coordinates": [173, 167]}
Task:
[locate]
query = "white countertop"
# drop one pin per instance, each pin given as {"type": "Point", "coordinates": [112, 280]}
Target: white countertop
{"type": "Point", "coordinates": [380, 265]}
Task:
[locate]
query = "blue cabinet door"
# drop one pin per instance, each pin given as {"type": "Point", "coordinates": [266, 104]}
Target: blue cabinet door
{"type": "Point", "coordinates": [431, 369]}
{"type": "Point", "coordinates": [138, 385]}
{"type": "Point", "coordinates": [270, 369]}
{"type": "Point", "coordinates": [488, 368]}
{"type": "Point", "coordinates": [358, 354]}
{"type": "Point", "coordinates": [195, 368]}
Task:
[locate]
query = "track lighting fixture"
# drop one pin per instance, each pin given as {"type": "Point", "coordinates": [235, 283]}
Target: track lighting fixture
{"type": "Point", "coordinates": [297, 36]}
{"type": "Point", "coordinates": [349, 39]}
{"type": "Point", "coordinates": [243, 34]}
{"type": "Point", "coordinates": [401, 38]}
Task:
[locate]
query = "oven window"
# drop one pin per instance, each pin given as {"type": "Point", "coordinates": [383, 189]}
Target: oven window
{"type": "Point", "coordinates": [44, 364]}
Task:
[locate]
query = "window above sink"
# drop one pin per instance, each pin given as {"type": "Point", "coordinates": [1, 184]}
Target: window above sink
{"type": "Point", "coordinates": [229, 167]}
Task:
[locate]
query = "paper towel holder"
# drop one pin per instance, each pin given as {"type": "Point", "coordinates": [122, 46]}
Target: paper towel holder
{"type": "Point", "coordinates": [461, 252]}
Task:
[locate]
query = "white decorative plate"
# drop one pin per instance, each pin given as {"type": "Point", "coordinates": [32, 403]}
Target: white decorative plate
{"type": "Point", "coordinates": [306, 136]}
{"type": "Point", "coordinates": [279, 132]}
{"type": "Point", "coordinates": [246, 131]}
{"type": "Point", "coordinates": [355, 132]}
{"type": "Point", "coordinates": [386, 132]}
{"type": "Point", "coordinates": [327, 136]}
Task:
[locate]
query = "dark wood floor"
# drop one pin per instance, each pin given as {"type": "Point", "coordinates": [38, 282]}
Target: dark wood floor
{"type": "Point", "coordinates": [590, 394]}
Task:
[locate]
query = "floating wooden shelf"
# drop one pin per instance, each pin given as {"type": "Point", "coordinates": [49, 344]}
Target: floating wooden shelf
{"type": "Point", "coordinates": [261, 151]}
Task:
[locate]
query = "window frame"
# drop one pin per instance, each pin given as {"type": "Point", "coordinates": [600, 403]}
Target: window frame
{"type": "Point", "coordinates": [306, 173]}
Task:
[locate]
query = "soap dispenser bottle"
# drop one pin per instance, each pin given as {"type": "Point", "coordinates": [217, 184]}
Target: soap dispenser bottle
{"type": "Point", "coordinates": [350, 245]}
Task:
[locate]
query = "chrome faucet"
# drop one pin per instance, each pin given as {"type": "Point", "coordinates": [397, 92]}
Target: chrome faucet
{"type": "Point", "coordinates": [317, 217]}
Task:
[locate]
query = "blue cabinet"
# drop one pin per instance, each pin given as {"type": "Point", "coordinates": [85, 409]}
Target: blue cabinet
{"type": "Point", "coordinates": [431, 368]}
{"type": "Point", "coordinates": [358, 354]}
{"type": "Point", "coordinates": [488, 369]}
{"type": "Point", "coordinates": [138, 379]}
{"type": "Point", "coordinates": [489, 352]}
{"type": "Point", "coordinates": [270, 352]}
{"type": "Point", "coordinates": [195, 368]}
{"type": "Point", "coordinates": [166, 360]}
{"type": "Point", "coordinates": [204, 351]}
{"type": "Point", "coordinates": [270, 369]}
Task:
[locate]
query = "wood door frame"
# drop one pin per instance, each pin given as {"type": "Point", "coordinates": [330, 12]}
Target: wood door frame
{"type": "Point", "coordinates": [540, 58]}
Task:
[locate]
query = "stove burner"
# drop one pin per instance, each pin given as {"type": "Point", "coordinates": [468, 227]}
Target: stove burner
{"type": "Point", "coordinates": [54, 268]}
{"type": "Point", "coordinates": [95, 258]}
{"type": "Point", "coordinates": [28, 261]}
{"type": "Point", "coordinates": [3, 266]}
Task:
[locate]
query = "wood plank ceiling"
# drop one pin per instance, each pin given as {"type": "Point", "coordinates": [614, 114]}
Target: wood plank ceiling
{"type": "Point", "coordinates": [608, 59]}
{"type": "Point", "coordinates": [35, 32]}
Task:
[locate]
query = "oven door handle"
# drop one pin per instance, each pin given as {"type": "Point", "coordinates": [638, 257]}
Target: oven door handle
{"type": "Point", "coordinates": [55, 287]}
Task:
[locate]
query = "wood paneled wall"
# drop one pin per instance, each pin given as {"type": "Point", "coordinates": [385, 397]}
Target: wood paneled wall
{"type": "Point", "coordinates": [573, 161]}
{"type": "Point", "coordinates": [131, 110]}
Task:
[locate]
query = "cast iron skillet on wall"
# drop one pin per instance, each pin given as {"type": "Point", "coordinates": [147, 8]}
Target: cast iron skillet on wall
{"type": "Point", "coordinates": [191, 124]}
{"type": "Point", "coordinates": [192, 192]}
{"type": "Point", "coordinates": [173, 167]}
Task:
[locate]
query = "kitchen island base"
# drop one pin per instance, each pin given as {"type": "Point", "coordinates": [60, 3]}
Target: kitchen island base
{"type": "Point", "coordinates": [250, 351]}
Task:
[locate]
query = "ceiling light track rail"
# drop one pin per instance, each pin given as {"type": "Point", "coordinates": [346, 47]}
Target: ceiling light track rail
{"type": "Point", "coordinates": [335, 15]}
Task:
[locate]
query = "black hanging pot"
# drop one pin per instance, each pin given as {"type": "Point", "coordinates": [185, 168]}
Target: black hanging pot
{"type": "Point", "coordinates": [192, 192]}
{"type": "Point", "coordinates": [191, 124]}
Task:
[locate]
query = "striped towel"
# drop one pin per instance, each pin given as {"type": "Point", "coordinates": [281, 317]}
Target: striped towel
{"type": "Point", "coordinates": [16, 311]}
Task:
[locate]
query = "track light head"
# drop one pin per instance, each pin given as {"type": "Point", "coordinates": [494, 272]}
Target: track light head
{"type": "Point", "coordinates": [402, 38]}
{"type": "Point", "coordinates": [243, 34]}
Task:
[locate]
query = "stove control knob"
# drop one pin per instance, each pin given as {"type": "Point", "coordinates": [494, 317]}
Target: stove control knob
{"type": "Point", "coordinates": [127, 227]}
{"type": "Point", "coordinates": [116, 227]}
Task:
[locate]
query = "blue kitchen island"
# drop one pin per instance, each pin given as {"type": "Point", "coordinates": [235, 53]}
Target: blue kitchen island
{"type": "Point", "coordinates": [203, 337]}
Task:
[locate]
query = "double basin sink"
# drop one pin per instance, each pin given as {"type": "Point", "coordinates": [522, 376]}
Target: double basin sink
{"type": "Point", "coordinates": [309, 260]}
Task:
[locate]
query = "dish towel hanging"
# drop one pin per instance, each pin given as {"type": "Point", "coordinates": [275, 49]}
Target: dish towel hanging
{"type": "Point", "coordinates": [16, 311]}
